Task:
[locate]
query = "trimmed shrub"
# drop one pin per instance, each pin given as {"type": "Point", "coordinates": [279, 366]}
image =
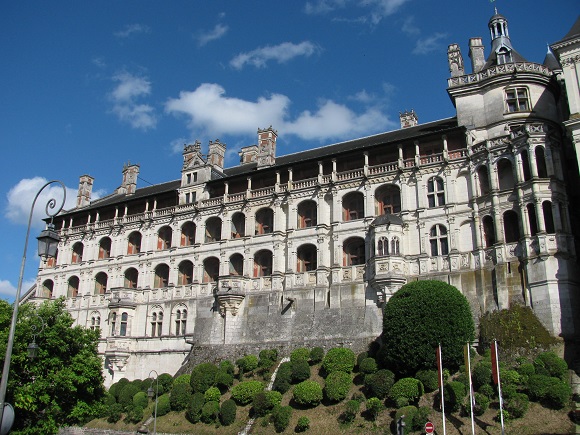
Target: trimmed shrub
{"type": "Point", "coordinates": [379, 384]}
{"type": "Point", "coordinates": [367, 366]}
{"type": "Point", "coordinates": [244, 392]}
{"type": "Point", "coordinates": [526, 370]}
{"type": "Point", "coordinates": [116, 388]}
{"type": "Point", "coordinates": [283, 377]}
{"type": "Point", "coordinates": [203, 377]}
{"type": "Point", "coordinates": [126, 396]}
{"type": "Point", "coordinates": [510, 377]}
{"type": "Point", "coordinates": [140, 399]}
{"type": "Point", "coordinates": [109, 399]}
{"type": "Point", "coordinates": [421, 417]}
{"type": "Point", "coordinates": [517, 405]}
{"type": "Point", "coordinates": [481, 404]}
{"type": "Point", "coordinates": [337, 386]}
{"type": "Point", "coordinates": [227, 366]}
{"type": "Point", "coordinates": [487, 390]}
{"type": "Point", "coordinates": [408, 388]}
{"type": "Point", "coordinates": [264, 401]}
{"type": "Point", "coordinates": [429, 379]}
{"type": "Point", "coordinates": [508, 390]}
{"type": "Point", "coordinates": [212, 394]}
{"type": "Point", "coordinates": [271, 354]}
{"type": "Point", "coordinates": [210, 412]}
{"type": "Point", "coordinates": [351, 411]}
{"type": "Point", "coordinates": [557, 394]}
{"type": "Point", "coordinates": [300, 370]}
{"type": "Point", "coordinates": [165, 383]}
{"type": "Point", "coordinates": [182, 379]}
{"type": "Point", "coordinates": [300, 354]}
{"type": "Point", "coordinates": [408, 413]}
{"type": "Point", "coordinates": [223, 380]}
{"type": "Point", "coordinates": [114, 413]}
{"type": "Point", "coordinates": [339, 359]}
{"type": "Point", "coordinates": [307, 393]}
{"type": "Point", "coordinates": [360, 357]}
{"type": "Point", "coordinates": [248, 363]}
{"type": "Point", "coordinates": [316, 355]}
{"type": "Point", "coordinates": [481, 374]}
{"type": "Point", "coordinates": [550, 364]}
{"type": "Point", "coordinates": [373, 407]}
{"type": "Point", "coordinates": [303, 424]}
{"type": "Point", "coordinates": [180, 396]}
{"type": "Point", "coordinates": [135, 415]}
{"type": "Point", "coordinates": [455, 392]}
{"type": "Point", "coordinates": [163, 405]}
{"type": "Point", "coordinates": [281, 417]}
{"type": "Point", "coordinates": [193, 413]}
{"type": "Point", "coordinates": [228, 412]}
{"type": "Point", "coordinates": [403, 318]}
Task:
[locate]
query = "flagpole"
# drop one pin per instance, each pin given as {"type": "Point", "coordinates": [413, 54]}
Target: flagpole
{"type": "Point", "coordinates": [471, 399]}
{"type": "Point", "coordinates": [497, 380]}
{"type": "Point", "coordinates": [440, 368]}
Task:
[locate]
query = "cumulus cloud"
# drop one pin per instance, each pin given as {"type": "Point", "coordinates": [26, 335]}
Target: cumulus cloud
{"type": "Point", "coordinates": [429, 44]}
{"type": "Point", "coordinates": [124, 97]}
{"type": "Point", "coordinates": [131, 30]}
{"type": "Point", "coordinates": [20, 199]}
{"type": "Point", "coordinates": [216, 33]}
{"type": "Point", "coordinates": [7, 289]}
{"type": "Point", "coordinates": [210, 110]}
{"type": "Point", "coordinates": [280, 53]}
{"type": "Point", "coordinates": [409, 27]}
{"type": "Point", "coordinates": [373, 10]}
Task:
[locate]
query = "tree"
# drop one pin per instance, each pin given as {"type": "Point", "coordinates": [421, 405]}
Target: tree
{"type": "Point", "coordinates": [64, 384]}
{"type": "Point", "coordinates": [418, 317]}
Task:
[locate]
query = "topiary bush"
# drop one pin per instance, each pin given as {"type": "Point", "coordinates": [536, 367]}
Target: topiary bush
{"type": "Point", "coordinates": [300, 370]}
{"type": "Point", "coordinates": [212, 394]}
{"type": "Point", "coordinates": [264, 401]}
{"type": "Point", "coordinates": [182, 379]}
{"type": "Point", "coordinates": [517, 405]}
{"type": "Point", "coordinates": [247, 364]}
{"type": "Point", "coordinates": [303, 424]}
{"type": "Point", "coordinates": [223, 380]}
{"type": "Point", "coordinates": [379, 384]}
{"type": "Point", "coordinates": [526, 370]}
{"type": "Point", "coordinates": [510, 377]}
{"type": "Point", "coordinates": [367, 366]}
{"type": "Point", "coordinates": [210, 412]}
{"type": "Point", "coordinates": [163, 405]}
{"type": "Point", "coordinates": [165, 383]}
{"type": "Point", "coordinates": [244, 392]}
{"type": "Point", "coordinates": [551, 392]}
{"type": "Point", "coordinates": [228, 412]}
{"type": "Point", "coordinates": [283, 377]}
{"type": "Point", "coordinates": [227, 366]}
{"type": "Point", "coordinates": [116, 388]}
{"type": "Point", "coordinates": [404, 318]}
{"type": "Point", "coordinates": [407, 388]}
{"type": "Point", "coordinates": [300, 353]}
{"type": "Point", "coordinates": [114, 413]}
{"type": "Point", "coordinates": [271, 354]}
{"type": "Point", "coordinates": [339, 359]}
{"type": "Point", "coordinates": [421, 417]}
{"type": "Point", "coordinates": [316, 355]}
{"type": "Point", "coordinates": [135, 415]}
{"type": "Point", "coordinates": [550, 364]}
{"type": "Point", "coordinates": [481, 374]}
{"type": "Point", "coordinates": [455, 392]}
{"type": "Point", "coordinates": [481, 404]}
{"type": "Point", "coordinates": [373, 408]}
{"type": "Point", "coordinates": [202, 377]}
{"type": "Point", "coordinates": [140, 399]}
{"type": "Point", "coordinates": [194, 407]}
{"type": "Point", "coordinates": [180, 396]}
{"type": "Point", "coordinates": [307, 393]}
{"type": "Point", "coordinates": [429, 379]}
{"type": "Point", "coordinates": [487, 390]}
{"type": "Point", "coordinates": [281, 417]}
{"type": "Point", "coordinates": [337, 386]}
{"type": "Point", "coordinates": [126, 396]}
{"type": "Point", "coordinates": [351, 410]}
{"type": "Point", "coordinates": [408, 413]}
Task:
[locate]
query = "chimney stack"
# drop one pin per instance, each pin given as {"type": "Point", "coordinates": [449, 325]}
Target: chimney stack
{"type": "Point", "coordinates": [477, 55]}
{"type": "Point", "coordinates": [130, 174]}
{"type": "Point", "coordinates": [408, 119]}
{"type": "Point", "coordinates": [266, 147]}
{"type": "Point", "coordinates": [217, 152]}
{"type": "Point", "coordinates": [455, 59]}
{"type": "Point", "coordinates": [85, 189]}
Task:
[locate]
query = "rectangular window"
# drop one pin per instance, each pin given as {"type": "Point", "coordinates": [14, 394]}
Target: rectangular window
{"type": "Point", "coordinates": [517, 100]}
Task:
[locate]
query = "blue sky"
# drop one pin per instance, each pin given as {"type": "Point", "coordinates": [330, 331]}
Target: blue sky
{"type": "Point", "coordinates": [88, 86]}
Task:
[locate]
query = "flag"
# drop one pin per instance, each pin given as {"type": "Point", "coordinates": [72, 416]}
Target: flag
{"type": "Point", "coordinates": [439, 368]}
{"type": "Point", "coordinates": [467, 356]}
{"type": "Point", "coordinates": [494, 363]}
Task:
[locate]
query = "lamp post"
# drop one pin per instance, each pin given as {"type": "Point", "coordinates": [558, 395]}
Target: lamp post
{"type": "Point", "coordinates": [47, 246]}
{"type": "Point", "coordinates": [32, 348]}
{"type": "Point", "coordinates": [150, 393]}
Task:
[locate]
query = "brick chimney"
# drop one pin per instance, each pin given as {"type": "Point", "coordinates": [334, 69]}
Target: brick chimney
{"type": "Point", "coordinates": [408, 119]}
{"type": "Point", "coordinates": [129, 184]}
{"type": "Point", "coordinates": [85, 189]}
{"type": "Point", "coordinates": [216, 154]}
{"type": "Point", "coordinates": [266, 147]}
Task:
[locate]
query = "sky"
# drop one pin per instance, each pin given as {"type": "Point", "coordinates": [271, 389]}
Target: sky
{"type": "Point", "coordinates": [86, 87]}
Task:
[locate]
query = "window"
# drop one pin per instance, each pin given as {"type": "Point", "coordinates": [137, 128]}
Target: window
{"type": "Point", "coordinates": [113, 323]}
{"type": "Point", "coordinates": [185, 273]}
{"type": "Point", "coordinates": [504, 55]}
{"type": "Point", "coordinates": [156, 323]}
{"type": "Point", "coordinates": [124, 319]}
{"type": "Point", "coordinates": [190, 197]}
{"type": "Point", "coordinates": [73, 287]}
{"type": "Point", "coordinates": [164, 238]}
{"type": "Point", "coordinates": [264, 221]}
{"type": "Point", "coordinates": [383, 246]}
{"type": "Point", "coordinates": [101, 283]}
{"type": "Point", "coordinates": [104, 248]}
{"type": "Point", "coordinates": [161, 276]}
{"type": "Point", "coordinates": [395, 246]}
{"type": "Point", "coordinates": [354, 251]}
{"type": "Point", "coordinates": [47, 287]}
{"type": "Point", "coordinates": [532, 218]}
{"type": "Point", "coordinates": [237, 265]}
{"type": "Point", "coordinates": [191, 177]}
{"type": "Point", "coordinates": [505, 174]}
{"type": "Point", "coordinates": [306, 214]}
{"type": "Point", "coordinates": [238, 225]}
{"type": "Point", "coordinates": [262, 263]}
{"type": "Point", "coordinates": [438, 240]}
{"type": "Point", "coordinates": [435, 192]}
{"type": "Point", "coordinates": [541, 162]}
{"type": "Point", "coordinates": [188, 234]}
{"type": "Point", "coordinates": [51, 261]}
{"type": "Point", "coordinates": [517, 100]}
{"type": "Point", "coordinates": [131, 277]}
{"type": "Point", "coordinates": [180, 321]}
{"type": "Point", "coordinates": [526, 165]}
{"type": "Point", "coordinates": [134, 245]}
{"type": "Point", "coordinates": [511, 226]}
{"type": "Point", "coordinates": [488, 231]}
{"type": "Point", "coordinates": [353, 206]}
{"type": "Point", "coordinates": [211, 267]}
{"type": "Point", "coordinates": [306, 255]}
{"type": "Point", "coordinates": [213, 229]}
{"type": "Point", "coordinates": [95, 322]}
{"type": "Point", "coordinates": [388, 200]}
{"type": "Point", "coordinates": [548, 217]}
{"type": "Point", "coordinates": [77, 253]}
{"type": "Point", "coordinates": [483, 177]}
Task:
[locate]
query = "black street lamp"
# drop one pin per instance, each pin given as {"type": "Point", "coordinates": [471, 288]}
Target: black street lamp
{"type": "Point", "coordinates": [47, 245]}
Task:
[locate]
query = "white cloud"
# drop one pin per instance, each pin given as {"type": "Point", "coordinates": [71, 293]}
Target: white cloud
{"type": "Point", "coordinates": [218, 32]}
{"type": "Point", "coordinates": [429, 44]}
{"type": "Point", "coordinates": [324, 6]}
{"type": "Point", "coordinates": [210, 110]}
{"type": "Point", "coordinates": [20, 199]}
{"type": "Point", "coordinates": [376, 10]}
{"type": "Point", "coordinates": [176, 145]}
{"type": "Point", "coordinates": [131, 30]}
{"type": "Point", "coordinates": [280, 53]}
{"type": "Point", "coordinates": [409, 27]}
{"type": "Point", "coordinates": [7, 289]}
{"type": "Point", "coordinates": [128, 89]}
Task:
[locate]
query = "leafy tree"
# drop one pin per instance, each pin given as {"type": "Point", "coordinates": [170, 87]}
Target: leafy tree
{"type": "Point", "coordinates": [337, 386]}
{"type": "Point", "coordinates": [410, 339]}
{"type": "Point", "coordinates": [339, 359]}
{"type": "Point", "coordinates": [308, 393]}
{"type": "Point", "coordinates": [228, 412]}
{"type": "Point", "coordinates": [64, 384]}
{"type": "Point", "coordinates": [180, 396]}
{"type": "Point", "coordinates": [203, 377]}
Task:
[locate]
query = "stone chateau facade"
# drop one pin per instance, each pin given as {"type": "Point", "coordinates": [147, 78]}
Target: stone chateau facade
{"type": "Point", "coordinates": [305, 249]}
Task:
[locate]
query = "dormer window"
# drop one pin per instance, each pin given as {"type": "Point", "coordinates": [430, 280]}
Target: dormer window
{"type": "Point", "coordinates": [191, 177]}
{"type": "Point", "coordinates": [504, 56]}
{"type": "Point", "coordinates": [517, 100]}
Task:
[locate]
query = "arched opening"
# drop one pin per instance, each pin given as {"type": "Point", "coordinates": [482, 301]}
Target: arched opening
{"type": "Point", "coordinates": [77, 253]}
{"type": "Point", "coordinates": [238, 225]}
{"type": "Point", "coordinates": [511, 226]}
{"type": "Point", "coordinates": [213, 229]}
{"type": "Point", "coordinates": [101, 283]}
{"type": "Point", "coordinates": [353, 251]}
{"type": "Point", "coordinates": [395, 246]}
{"type": "Point", "coordinates": [185, 270]}
{"type": "Point", "coordinates": [264, 221]}
{"type": "Point", "coordinates": [353, 206]}
{"type": "Point", "coordinates": [104, 248]}
{"type": "Point", "coordinates": [134, 243]}
{"type": "Point", "coordinates": [306, 256]}
{"type": "Point", "coordinates": [180, 320]}
{"type": "Point", "coordinates": [47, 287]}
{"type": "Point", "coordinates": [541, 162]}
{"type": "Point", "coordinates": [506, 174]}
{"type": "Point", "coordinates": [382, 246]}
{"type": "Point", "coordinates": [532, 218]}
{"type": "Point", "coordinates": [307, 214]}
{"type": "Point", "coordinates": [156, 322]}
{"type": "Point", "coordinates": [237, 265]}
{"type": "Point", "coordinates": [483, 176]}
{"type": "Point", "coordinates": [438, 240]}
{"type": "Point", "coordinates": [526, 165]}
{"type": "Point", "coordinates": [188, 234]}
{"type": "Point", "coordinates": [124, 322]}
{"type": "Point", "coordinates": [211, 267]}
{"type": "Point", "coordinates": [388, 199]}
{"type": "Point", "coordinates": [488, 231]}
{"type": "Point", "coordinates": [548, 217]}
{"type": "Point", "coordinates": [131, 277]}
{"type": "Point", "coordinates": [262, 263]}
{"type": "Point", "coordinates": [164, 238]}
{"type": "Point", "coordinates": [73, 287]}
{"type": "Point", "coordinates": [161, 276]}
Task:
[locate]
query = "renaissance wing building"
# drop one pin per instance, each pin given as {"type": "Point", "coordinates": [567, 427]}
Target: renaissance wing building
{"type": "Point", "coordinates": [305, 249]}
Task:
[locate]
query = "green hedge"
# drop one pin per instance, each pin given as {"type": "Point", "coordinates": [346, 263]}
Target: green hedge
{"type": "Point", "coordinates": [163, 405]}
{"type": "Point", "coordinates": [193, 413]}
{"type": "Point", "coordinates": [316, 355]}
{"type": "Point", "coordinates": [407, 388]}
{"type": "Point", "coordinates": [244, 392]}
{"type": "Point", "coordinates": [550, 364]}
{"type": "Point", "coordinates": [337, 385]}
{"type": "Point", "coordinates": [300, 370]}
{"type": "Point", "coordinates": [379, 384]}
{"type": "Point", "coordinates": [300, 353]}
{"type": "Point", "coordinates": [210, 412]}
{"type": "Point", "coordinates": [308, 393]}
{"type": "Point", "coordinates": [180, 396]}
{"type": "Point", "coordinates": [281, 417]}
